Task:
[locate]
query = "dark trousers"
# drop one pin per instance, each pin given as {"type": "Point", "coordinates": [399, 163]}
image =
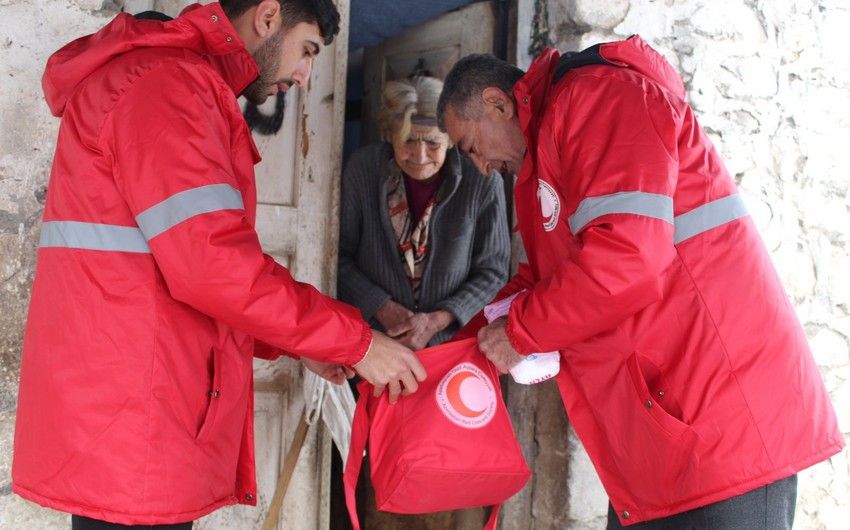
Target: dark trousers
{"type": "Point", "coordinates": [770, 507]}
{"type": "Point", "coordinates": [84, 523]}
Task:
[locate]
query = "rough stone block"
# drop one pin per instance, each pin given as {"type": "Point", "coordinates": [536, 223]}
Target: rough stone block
{"type": "Point", "coordinates": [730, 19]}
{"type": "Point", "coordinates": [830, 348]}
{"type": "Point", "coordinates": [593, 13]}
{"type": "Point", "coordinates": [588, 501]}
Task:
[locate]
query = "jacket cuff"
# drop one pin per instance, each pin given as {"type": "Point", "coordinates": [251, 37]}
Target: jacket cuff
{"type": "Point", "coordinates": [517, 336]}
{"type": "Point", "coordinates": [362, 346]}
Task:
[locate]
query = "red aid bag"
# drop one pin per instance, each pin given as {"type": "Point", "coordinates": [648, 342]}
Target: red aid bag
{"type": "Point", "coordinates": [450, 445]}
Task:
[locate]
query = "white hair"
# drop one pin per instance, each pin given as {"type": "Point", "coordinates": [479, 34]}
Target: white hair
{"type": "Point", "coordinates": [406, 99]}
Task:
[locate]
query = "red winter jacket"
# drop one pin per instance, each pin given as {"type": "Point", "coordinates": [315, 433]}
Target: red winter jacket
{"type": "Point", "coordinates": [135, 400]}
{"type": "Point", "coordinates": [684, 369]}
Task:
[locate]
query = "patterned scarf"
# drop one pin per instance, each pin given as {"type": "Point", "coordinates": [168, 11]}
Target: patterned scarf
{"type": "Point", "coordinates": [413, 241]}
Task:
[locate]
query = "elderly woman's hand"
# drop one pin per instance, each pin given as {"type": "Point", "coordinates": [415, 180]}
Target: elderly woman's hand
{"type": "Point", "coordinates": [416, 331]}
{"type": "Point", "coordinates": [392, 314]}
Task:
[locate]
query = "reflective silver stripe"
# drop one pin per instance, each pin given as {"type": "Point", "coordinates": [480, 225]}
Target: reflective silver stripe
{"type": "Point", "coordinates": [181, 206]}
{"type": "Point", "coordinates": [630, 202]}
{"type": "Point", "coordinates": [708, 216]}
{"type": "Point", "coordinates": [92, 236]}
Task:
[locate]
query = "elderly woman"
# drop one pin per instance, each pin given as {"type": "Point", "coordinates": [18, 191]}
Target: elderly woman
{"type": "Point", "coordinates": [423, 236]}
{"type": "Point", "coordinates": [423, 240]}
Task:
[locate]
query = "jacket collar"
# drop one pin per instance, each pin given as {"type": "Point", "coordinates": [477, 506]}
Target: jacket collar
{"type": "Point", "coordinates": [219, 41]}
{"type": "Point", "coordinates": [532, 89]}
{"type": "Point", "coordinates": [204, 30]}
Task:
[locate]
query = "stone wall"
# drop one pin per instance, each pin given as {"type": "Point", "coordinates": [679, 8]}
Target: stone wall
{"type": "Point", "coordinates": [770, 82]}
{"type": "Point", "coordinates": [30, 30]}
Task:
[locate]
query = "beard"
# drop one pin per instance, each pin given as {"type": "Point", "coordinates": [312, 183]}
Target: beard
{"type": "Point", "coordinates": [267, 58]}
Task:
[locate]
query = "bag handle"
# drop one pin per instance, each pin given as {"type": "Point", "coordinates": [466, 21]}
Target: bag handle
{"type": "Point", "coordinates": [494, 518]}
{"type": "Point", "coordinates": [359, 436]}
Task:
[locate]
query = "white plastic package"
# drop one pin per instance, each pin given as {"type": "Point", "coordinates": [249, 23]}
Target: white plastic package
{"type": "Point", "coordinates": [536, 367]}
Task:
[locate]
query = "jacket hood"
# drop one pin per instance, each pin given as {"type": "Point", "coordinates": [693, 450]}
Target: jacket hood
{"type": "Point", "coordinates": [532, 90]}
{"type": "Point", "coordinates": [203, 29]}
{"type": "Point", "coordinates": [633, 53]}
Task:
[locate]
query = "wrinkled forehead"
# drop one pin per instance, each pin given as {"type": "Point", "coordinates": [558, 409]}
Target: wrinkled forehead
{"type": "Point", "coordinates": [425, 131]}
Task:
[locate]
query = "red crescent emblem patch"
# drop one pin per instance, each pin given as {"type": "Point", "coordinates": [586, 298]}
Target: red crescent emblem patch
{"type": "Point", "coordinates": [466, 396]}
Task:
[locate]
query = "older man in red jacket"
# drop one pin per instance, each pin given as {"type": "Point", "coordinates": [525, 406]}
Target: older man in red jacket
{"type": "Point", "coordinates": [683, 367]}
{"type": "Point", "coordinates": [152, 294]}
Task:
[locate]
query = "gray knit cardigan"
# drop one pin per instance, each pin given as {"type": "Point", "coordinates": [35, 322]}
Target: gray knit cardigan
{"type": "Point", "coordinates": [469, 256]}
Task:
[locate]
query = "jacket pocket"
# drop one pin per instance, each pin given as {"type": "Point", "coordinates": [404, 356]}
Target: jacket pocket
{"type": "Point", "coordinates": [650, 402]}
{"type": "Point", "coordinates": [214, 397]}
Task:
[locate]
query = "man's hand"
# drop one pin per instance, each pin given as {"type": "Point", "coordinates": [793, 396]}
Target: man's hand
{"type": "Point", "coordinates": [390, 364]}
{"type": "Point", "coordinates": [494, 344]}
{"type": "Point", "coordinates": [416, 331]}
{"type": "Point", "coordinates": [335, 373]}
{"type": "Point", "coordinates": [392, 314]}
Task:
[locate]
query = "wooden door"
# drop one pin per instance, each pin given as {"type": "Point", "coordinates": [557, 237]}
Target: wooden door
{"type": "Point", "coordinates": [537, 413]}
{"type": "Point", "coordinates": [297, 221]}
{"type": "Point", "coordinates": [434, 46]}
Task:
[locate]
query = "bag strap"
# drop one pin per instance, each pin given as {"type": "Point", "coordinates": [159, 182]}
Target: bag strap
{"type": "Point", "coordinates": [493, 521]}
{"type": "Point", "coordinates": [359, 436]}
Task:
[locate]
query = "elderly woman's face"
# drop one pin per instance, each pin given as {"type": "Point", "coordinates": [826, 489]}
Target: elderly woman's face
{"type": "Point", "coordinates": [422, 153]}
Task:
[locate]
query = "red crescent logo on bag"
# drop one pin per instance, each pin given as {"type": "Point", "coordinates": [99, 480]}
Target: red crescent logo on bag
{"type": "Point", "coordinates": [467, 397]}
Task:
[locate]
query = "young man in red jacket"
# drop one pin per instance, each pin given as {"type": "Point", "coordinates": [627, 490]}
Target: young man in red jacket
{"type": "Point", "coordinates": [684, 370]}
{"type": "Point", "coordinates": [152, 294]}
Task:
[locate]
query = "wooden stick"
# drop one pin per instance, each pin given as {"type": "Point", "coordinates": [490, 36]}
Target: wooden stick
{"type": "Point", "coordinates": [273, 515]}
